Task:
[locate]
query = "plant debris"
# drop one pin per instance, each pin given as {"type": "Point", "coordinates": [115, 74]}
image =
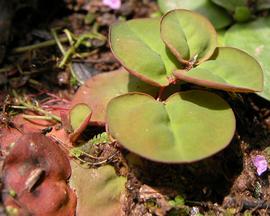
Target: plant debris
{"type": "Point", "coordinates": [35, 169]}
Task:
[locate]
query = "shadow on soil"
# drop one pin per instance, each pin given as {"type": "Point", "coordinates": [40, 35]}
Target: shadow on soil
{"type": "Point", "coordinates": [207, 180]}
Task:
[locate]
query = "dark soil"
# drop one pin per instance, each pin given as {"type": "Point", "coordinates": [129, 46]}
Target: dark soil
{"type": "Point", "coordinates": [225, 184]}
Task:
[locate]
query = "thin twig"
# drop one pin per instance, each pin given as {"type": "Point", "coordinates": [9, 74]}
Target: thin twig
{"type": "Point", "coordinates": [72, 49]}
{"type": "Point", "coordinates": [6, 69]}
{"type": "Point", "coordinates": [40, 45]}
{"type": "Point", "coordinates": [19, 107]}
{"type": "Point", "coordinates": [37, 117]}
{"type": "Point", "coordinates": [58, 42]}
{"type": "Point", "coordinates": [97, 163]}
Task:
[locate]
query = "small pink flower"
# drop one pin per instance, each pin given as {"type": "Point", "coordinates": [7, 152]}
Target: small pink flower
{"type": "Point", "coordinates": [113, 4]}
{"type": "Point", "coordinates": [260, 163]}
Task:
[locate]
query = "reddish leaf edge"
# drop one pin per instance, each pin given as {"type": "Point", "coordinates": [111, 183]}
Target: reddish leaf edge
{"type": "Point", "coordinates": [164, 102]}
{"type": "Point", "coordinates": [211, 84]}
{"type": "Point", "coordinates": [133, 72]}
{"type": "Point", "coordinates": [175, 52]}
{"type": "Point", "coordinates": [76, 134]}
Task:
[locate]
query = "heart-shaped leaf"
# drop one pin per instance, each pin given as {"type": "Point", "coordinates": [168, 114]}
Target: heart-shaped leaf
{"type": "Point", "coordinates": [188, 126]}
{"type": "Point", "coordinates": [190, 36]}
{"type": "Point", "coordinates": [98, 190]}
{"type": "Point", "coordinates": [100, 89]}
{"type": "Point", "coordinates": [139, 48]}
{"type": "Point", "coordinates": [228, 69]}
{"type": "Point", "coordinates": [218, 16]}
{"type": "Point", "coordinates": [253, 37]}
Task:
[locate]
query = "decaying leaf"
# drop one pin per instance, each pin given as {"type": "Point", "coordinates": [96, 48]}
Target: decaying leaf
{"type": "Point", "coordinates": [8, 136]}
{"type": "Point", "coordinates": [36, 170]}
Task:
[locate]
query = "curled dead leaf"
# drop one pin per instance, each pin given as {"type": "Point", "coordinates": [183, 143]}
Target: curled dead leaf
{"type": "Point", "coordinates": [36, 170]}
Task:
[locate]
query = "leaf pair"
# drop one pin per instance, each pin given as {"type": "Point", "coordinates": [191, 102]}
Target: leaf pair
{"type": "Point", "coordinates": [183, 45]}
{"type": "Point", "coordinates": [251, 37]}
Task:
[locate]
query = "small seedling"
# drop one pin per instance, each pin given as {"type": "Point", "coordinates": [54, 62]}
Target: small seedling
{"type": "Point", "coordinates": [242, 24]}
{"type": "Point", "coordinates": [188, 125]}
{"type": "Point", "coordinates": [146, 112]}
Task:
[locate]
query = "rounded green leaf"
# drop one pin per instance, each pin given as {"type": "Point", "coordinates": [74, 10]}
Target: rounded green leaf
{"type": "Point", "coordinates": [190, 36]}
{"type": "Point", "coordinates": [139, 48]}
{"type": "Point", "coordinates": [78, 114]}
{"type": "Point", "coordinates": [217, 16]}
{"type": "Point", "coordinates": [100, 89]}
{"type": "Point", "coordinates": [253, 37]}
{"type": "Point", "coordinates": [188, 126]}
{"type": "Point", "coordinates": [228, 69]}
{"type": "Point", "coordinates": [98, 190]}
{"type": "Point", "coordinates": [79, 117]}
{"type": "Point", "coordinates": [242, 14]}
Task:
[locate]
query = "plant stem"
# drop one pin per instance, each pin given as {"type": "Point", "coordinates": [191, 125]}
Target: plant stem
{"type": "Point", "coordinates": [37, 109]}
{"type": "Point", "coordinates": [58, 42]}
{"type": "Point", "coordinates": [161, 90]}
{"type": "Point", "coordinates": [34, 82]}
{"type": "Point", "coordinates": [18, 107]}
{"type": "Point", "coordinates": [39, 45]}
{"type": "Point", "coordinates": [72, 49]}
{"type": "Point", "coordinates": [37, 117]}
{"type": "Point", "coordinates": [6, 69]}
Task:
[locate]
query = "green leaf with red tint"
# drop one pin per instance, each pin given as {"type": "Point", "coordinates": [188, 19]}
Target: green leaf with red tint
{"type": "Point", "coordinates": [98, 190]}
{"type": "Point", "coordinates": [139, 48]}
{"type": "Point", "coordinates": [100, 89]}
{"type": "Point", "coordinates": [187, 127]}
{"type": "Point", "coordinates": [229, 69]}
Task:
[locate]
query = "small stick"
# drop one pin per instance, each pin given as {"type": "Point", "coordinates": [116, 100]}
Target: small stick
{"type": "Point", "coordinates": [38, 46]}
{"type": "Point", "coordinates": [6, 69]}
{"type": "Point", "coordinates": [37, 117]}
{"type": "Point", "coordinates": [58, 42]}
{"type": "Point", "coordinates": [29, 106]}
